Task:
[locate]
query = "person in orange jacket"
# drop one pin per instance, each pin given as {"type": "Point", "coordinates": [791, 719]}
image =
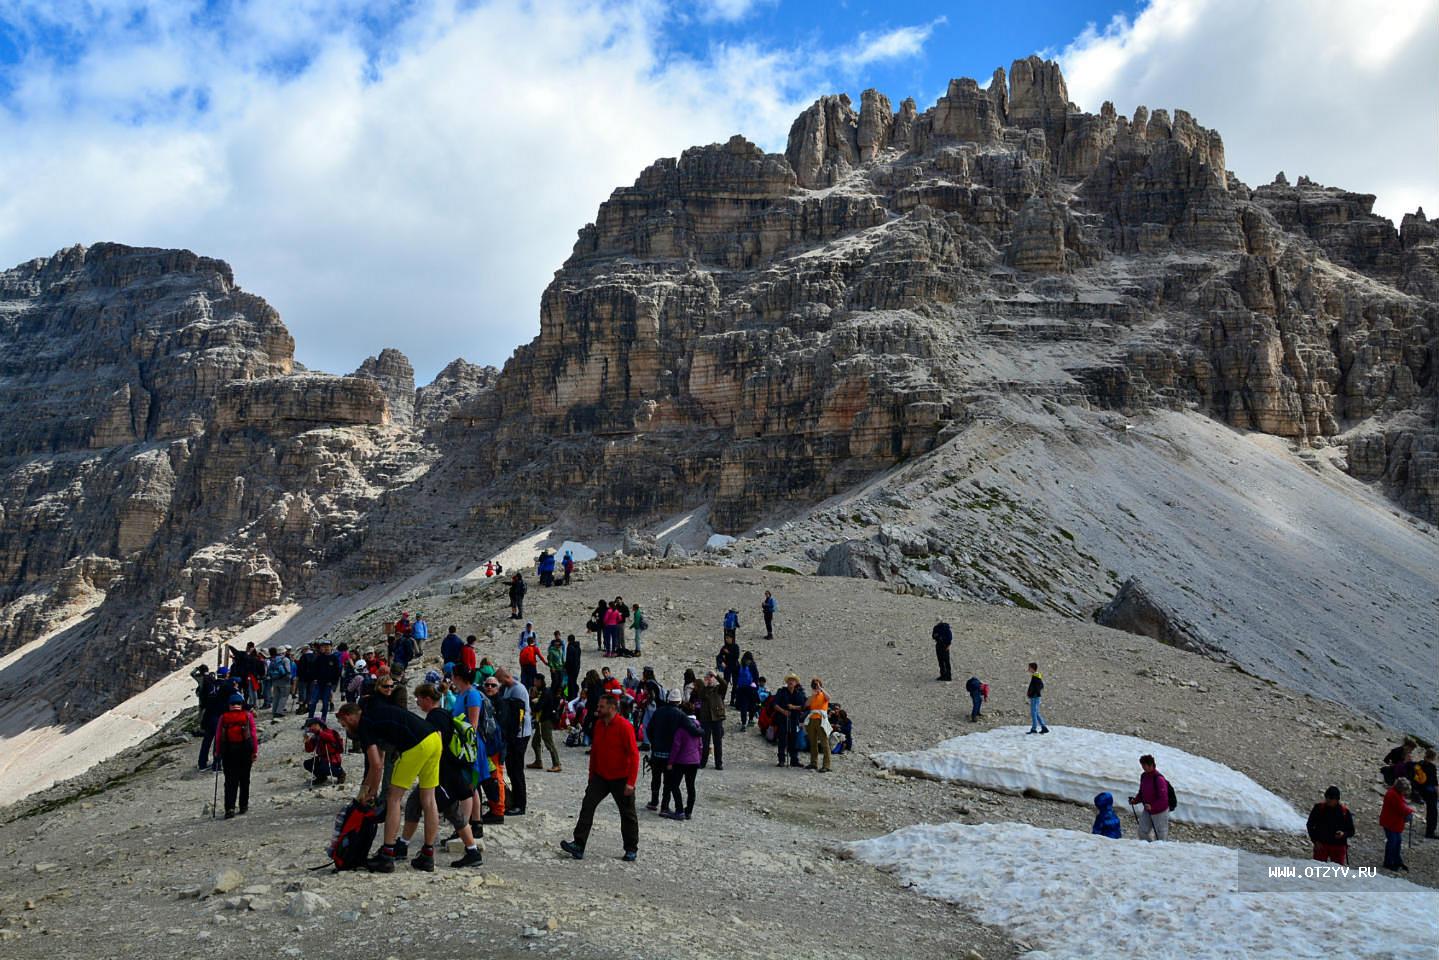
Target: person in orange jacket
{"type": "Point", "coordinates": [1393, 817]}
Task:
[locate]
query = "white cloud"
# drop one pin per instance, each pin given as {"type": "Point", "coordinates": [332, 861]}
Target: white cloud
{"type": "Point", "coordinates": [1339, 90]}
{"type": "Point", "coordinates": [727, 11]}
{"type": "Point", "coordinates": [895, 44]}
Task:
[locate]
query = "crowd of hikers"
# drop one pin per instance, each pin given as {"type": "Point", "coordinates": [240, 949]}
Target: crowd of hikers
{"type": "Point", "coordinates": [462, 756]}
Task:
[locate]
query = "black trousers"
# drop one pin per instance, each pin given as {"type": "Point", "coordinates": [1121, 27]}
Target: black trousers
{"type": "Point", "coordinates": [515, 767]}
{"type": "Point", "coordinates": [712, 731]}
{"type": "Point", "coordinates": [768, 625]}
{"type": "Point", "coordinates": [942, 655]}
{"type": "Point", "coordinates": [658, 766]}
{"type": "Point", "coordinates": [595, 791]}
{"type": "Point", "coordinates": [784, 737]}
{"type": "Point", "coordinates": [236, 762]}
{"type": "Point", "coordinates": [681, 772]}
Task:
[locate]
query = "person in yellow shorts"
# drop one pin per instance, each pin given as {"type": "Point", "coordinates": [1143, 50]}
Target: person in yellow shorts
{"type": "Point", "coordinates": [383, 725]}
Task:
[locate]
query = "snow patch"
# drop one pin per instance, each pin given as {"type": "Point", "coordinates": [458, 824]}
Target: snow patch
{"type": "Point", "coordinates": [718, 541]}
{"type": "Point", "coordinates": [1075, 896]}
{"type": "Point", "coordinates": [1073, 763]}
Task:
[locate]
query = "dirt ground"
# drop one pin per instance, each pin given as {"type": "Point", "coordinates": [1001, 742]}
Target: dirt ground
{"type": "Point", "coordinates": [123, 861]}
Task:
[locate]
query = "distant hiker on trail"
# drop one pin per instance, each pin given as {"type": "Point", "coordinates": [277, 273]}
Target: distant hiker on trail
{"type": "Point", "coordinates": [684, 763]}
{"type": "Point", "coordinates": [324, 677]}
{"type": "Point", "coordinates": [731, 623]}
{"type": "Point", "coordinates": [420, 632]}
{"type": "Point", "coordinates": [624, 611]}
{"type": "Point", "coordinates": [545, 568]}
{"type": "Point", "coordinates": [239, 744]}
{"type": "Point", "coordinates": [817, 726]}
{"type": "Point", "coordinates": [1394, 816]}
{"type": "Point", "coordinates": [568, 565]}
{"type": "Point", "coordinates": [596, 624]}
{"type": "Point", "coordinates": [787, 703]}
{"type": "Point", "coordinates": [747, 690]}
{"type": "Point", "coordinates": [1397, 763]}
{"type": "Point", "coordinates": [1106, 821]}
{"type": "Point", "coordinates": [555, 663]}
{"type": "Point", "coordinates": [1035, 693]}
{"type": "Point", "coordinates": [1153, 797]}
{"type": "Point", "coordinates": [451, 646]}
{"type": "Point", "coordinates": [978, 690]}
{"type": "Point", "coordinates": [710, 697]}
{"type": "Point", "coordinates": [1330, 827]}
{"type": "Point", "coordinates": [214, 695]}
{"type": "Point", "coordinates": [639, 625]}
{"type": "Point", "coordinates": [1426, 791]}
{"type": "Point", "coordinates": [277, 683]}
{"type": "Point", "coordinates": [329, 752]}
{"type": "Point", "coordinates": [418, 747]}
{"type": "Point", "coordinates": [767, 607]}
{"type": "Point", "coordinates": [573, 658]}
{"type": "Point", "coordinates": [526, 635]}
{"type": "Point", "coordinates": [517, 597]}
{"type": "Point", "coordinates": [942, 636]}
{"type": "Point", "coordinates": [614, 767]}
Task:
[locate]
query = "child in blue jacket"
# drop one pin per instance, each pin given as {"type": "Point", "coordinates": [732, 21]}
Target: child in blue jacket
{"type": "Point", "coordinates": [1106, 822]}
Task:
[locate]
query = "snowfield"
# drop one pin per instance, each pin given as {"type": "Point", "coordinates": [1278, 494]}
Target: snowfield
{"type": "Point", "coordinates": [1073, 763]}
{"type": "Point", "coordinates": [1074, 896]}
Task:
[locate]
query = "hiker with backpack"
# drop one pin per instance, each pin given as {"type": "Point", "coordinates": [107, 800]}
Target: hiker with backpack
{"type": "Point", "coordinates": [1035, 693]}
{"type": "Point", "coordinates": [418, 746]}
{"type": "Point", "coordinates": [1394, 816]}
{"type": "Point", "coordinates": [747, 690]}
{"type": "Point", "coordinates": [329, 751]}
{"type": "Point", "coordinates": [767, 608]}
{"type": "Point", "coordinates": [452, 646]}
{"type": "Point", "coordinates": [1106, 821]}
{"type": "Point", "coordinates": [529, 660]}
{"type": "Point", "coordinates": [614, 768]}
{"type": "Point", "coordinates": [238, 743]}
{"type": "Point", "coordinates": [454, 797]}
{"type": "Point", "coordinates": [639, 625]}
{"type": "Point", "coordinates": [517, 726]}
{"type": "Point", "coordinates": [474, 706]}
{"type": "Point", "coordinates": [568, 565]}
{"type": "Point", "coordinates": [1397, 763]}
{"type": "Point", "coordinates": [1155, 797]}
{"type": "Point", "coordinates": [545, 700]}
{"type": "Point", "coordinates": [1426, 791]}
{"type": "Point", "coordinates": [978, 692]}
{"type": "Point", "coordinates": [943, 637]}
{"type": "Point", "coordinates": [277, 683]}
{"type": "Point", "coordinates": [731, 623]}
{"type": "Point", "coordinates": [660, 732]}
{"type": "Point", "coordinates": [1330, 826]}
{"type": "Point", "coordinates": [214, 694]}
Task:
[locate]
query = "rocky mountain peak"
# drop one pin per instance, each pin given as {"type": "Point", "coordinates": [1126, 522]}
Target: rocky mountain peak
{"type": "Point", "coordinates": [391, 369]}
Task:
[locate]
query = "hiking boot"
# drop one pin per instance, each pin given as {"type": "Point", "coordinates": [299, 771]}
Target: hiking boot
{"type": "Point", "coordinates": [425, 862]}
{"type": "Point", "coordinates": [1028, 732]}
{"type": "Point", "coordinates": [573, 849]}
{"type": "Point", "coordinates": [340, 779]}
{"type": "Point", "coordinates": [1043, 729]}
{"type": "Point", "coordinates": [514, 811]}
{"type": "Point", "coordinates": [675, 815]}
{"type": "Point", "coordinates": [229, 814]}
{"type": "Point", "coordinates": [555, 768]}
{"type": "Point", "coordinates": [319, 781]}
{"type": "Point", "coordinates": [534, 766]}
{"type": "Point", "coordinates": [402, 849]}
{"type": "Point", "coordinates": [472, 858]}
{"type": "Point", "coordinates": [244, 810]}
{"type": "Point", "coordinates": [492, 819]}
{"type": "Point", "coordinates": [632, 855]}
{"type": "Point", "coordinates": [652, 806]}
{"type": "Point", "coordinates": [381, 863]}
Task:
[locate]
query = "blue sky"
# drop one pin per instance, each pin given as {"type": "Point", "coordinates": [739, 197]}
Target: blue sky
{"type": "Point", "coordinates": [411, 174]}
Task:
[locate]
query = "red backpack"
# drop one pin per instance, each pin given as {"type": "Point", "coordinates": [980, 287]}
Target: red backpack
{"type": "Point", "coordinates": [234, 728]}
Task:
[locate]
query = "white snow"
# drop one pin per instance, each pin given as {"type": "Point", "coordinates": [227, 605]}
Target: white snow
{"type": "Point", "coordinates": [580, 551]}
{"type": "Point", "coordinates": [1073, 763]}
{"type": "Point", "coordinates": [718, 541]}
{"type": "Point", "coordinates": [1074, 896]}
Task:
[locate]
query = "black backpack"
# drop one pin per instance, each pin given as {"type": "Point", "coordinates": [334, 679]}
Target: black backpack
{"type": "Point", "coordinates": [1173, 799]}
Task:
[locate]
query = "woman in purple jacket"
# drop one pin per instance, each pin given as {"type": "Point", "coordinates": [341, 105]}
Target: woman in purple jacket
{"type": "Point", "coordinates": [684, 763]}
{"type": "Point", "coordinates": [1154, 796]}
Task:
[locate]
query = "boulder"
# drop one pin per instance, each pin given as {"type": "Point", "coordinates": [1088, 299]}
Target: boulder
{"type": "Point", "coordinates": [1135, 610]}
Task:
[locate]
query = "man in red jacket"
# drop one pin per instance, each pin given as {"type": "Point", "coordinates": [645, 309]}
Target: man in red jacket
{"type": "Point", "coordinates": [614, 767]}
{"type": "Point", "coordinates": [1394, 817]}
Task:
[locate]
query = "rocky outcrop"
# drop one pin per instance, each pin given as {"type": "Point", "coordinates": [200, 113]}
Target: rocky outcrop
{"type": "Point", "coordinates": [1135, 610]}
{"type": "Point", "coordinates": [166, 474]}
{"type": "Point", "coordinates": [392, 371]}
{"type": "Point", "coordinates": [460, 384]}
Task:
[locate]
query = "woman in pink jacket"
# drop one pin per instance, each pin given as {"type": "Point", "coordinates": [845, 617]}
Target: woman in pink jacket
{"type": "Point", "coordinates": [1154, 795]}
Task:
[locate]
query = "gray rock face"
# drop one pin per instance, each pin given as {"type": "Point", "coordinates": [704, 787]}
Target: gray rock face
{"type": "Point", "coordinates": [1135, 610]}
{"type": "Point", "coordinates": [461, 383]}
{"type": "Point", "coordinates": [392, 371]}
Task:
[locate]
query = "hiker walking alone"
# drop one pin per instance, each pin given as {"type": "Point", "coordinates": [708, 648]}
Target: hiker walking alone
{"type": "Point", "coordinates": [1153, 796]}
{"type": "Point", "coordinates": [942, 636]}
{"type": "Point", "coordinates": [1035, 694]}
{"type": "Point", "coordinates": [614, 768]}
{"type": "Point", "coordinates": [1330, 826]}
{"type": "Point", "coordinates": [976, 689]}
{"type": "Point", "coordinates": [767, 607]}
{"type": "Point", "coordinates": [239, 744]}
{"type": "Point", "coordinates": [517, 597]}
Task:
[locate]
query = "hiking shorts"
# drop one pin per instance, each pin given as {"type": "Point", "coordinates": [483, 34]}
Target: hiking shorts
{"type": "Point", "coordinates": [422, 761]}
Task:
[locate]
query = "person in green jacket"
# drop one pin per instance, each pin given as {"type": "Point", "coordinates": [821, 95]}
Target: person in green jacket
{"type": "Point", "coordinates": [639, 624]}
{"type": "Point", "coordinates": [555, 660]}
